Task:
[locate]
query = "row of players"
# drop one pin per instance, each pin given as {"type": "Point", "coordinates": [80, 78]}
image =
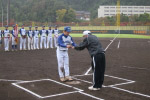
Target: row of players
{"type": "Point", "coordinates": [32, 36]}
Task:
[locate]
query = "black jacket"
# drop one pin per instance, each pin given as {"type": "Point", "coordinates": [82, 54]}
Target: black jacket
{"type": "Point", "coordinates": [93, 45]}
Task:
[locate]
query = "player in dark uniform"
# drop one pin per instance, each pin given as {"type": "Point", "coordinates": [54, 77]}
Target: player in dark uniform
{"type": "Point", "coordinates": [97, 53]}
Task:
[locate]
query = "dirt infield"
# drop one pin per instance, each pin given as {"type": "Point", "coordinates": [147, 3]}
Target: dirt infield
{"type": "Point", "coordinates": [33, 75]}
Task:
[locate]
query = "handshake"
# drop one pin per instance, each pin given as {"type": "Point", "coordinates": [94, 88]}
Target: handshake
{"type": "Point", "coordinates": [70, 46]}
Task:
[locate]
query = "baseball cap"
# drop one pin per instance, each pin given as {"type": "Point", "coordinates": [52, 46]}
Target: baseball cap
{"type": "Point", "coordinates": [86, 32]}
{"type": "Point", "coordinates": [67, 29]}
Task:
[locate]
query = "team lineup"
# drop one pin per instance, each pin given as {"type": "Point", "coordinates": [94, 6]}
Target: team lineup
{"type": "Point", "coordinates": [63, 43]}
{"type": "Point", "coordinates": [34, 37]}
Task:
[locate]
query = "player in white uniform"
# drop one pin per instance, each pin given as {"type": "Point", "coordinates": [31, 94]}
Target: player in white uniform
{"type": "Point", "coordinates": [6, 38]}
{"type": "Point", "coordinates": [43, 37]}
{"type": "Point", "coordinates": [64, 42]}
{"type": "Point", "coordinates": [14, 37]}
{"type": "Point", "coordinates": [0, 38]}
{"type": "Point", "coordinates": [50, 37]}
{"type": "Point", "coordinates": [36, 38]}
{"type": "Point", "coordinates": [56, 34]}
{"type": "Point", "coordinates": [30, 38]}
{"type": "Point", "coordinates": [23, 38]}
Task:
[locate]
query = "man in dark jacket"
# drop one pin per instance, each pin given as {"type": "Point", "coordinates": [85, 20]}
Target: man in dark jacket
{"type": "Point", "coordinates": [97, 53]}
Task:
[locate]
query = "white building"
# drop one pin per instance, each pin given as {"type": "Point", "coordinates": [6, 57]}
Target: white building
{"type": "Point", "coordinates": [104, 11]}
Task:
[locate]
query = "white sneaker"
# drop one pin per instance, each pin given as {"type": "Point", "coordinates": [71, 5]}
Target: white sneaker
{"type": "Point", "coordinates": [68, 78]}
{"type": "Point", "coordinates": [62, 79]}
{"type": "Point", "coordinates": [94, 89]}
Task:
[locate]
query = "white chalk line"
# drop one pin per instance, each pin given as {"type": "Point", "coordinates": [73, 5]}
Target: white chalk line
{"type": "Point", "coordinates": [88, 71]}
{"type": "Point", "coordinates": [114, 86]}
{"type": "Point", "coordinates": [104, 50]}
{"type": "Point", "coordinates": [136, 93]}
{"type": "Point", "coordinates": [6, 80]}
{"type": "Point", "coordinates": [90, 96]}
{"type": "Point", "coordinates": [60, 94]}
{"type": "Point", "coordinates": [135, 68]}
{"type": "Point", "coordinates": [118, 44]}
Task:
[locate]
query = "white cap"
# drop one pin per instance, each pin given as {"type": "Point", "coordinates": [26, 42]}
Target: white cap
{"type": "Point", "coordinates": [86, 32]}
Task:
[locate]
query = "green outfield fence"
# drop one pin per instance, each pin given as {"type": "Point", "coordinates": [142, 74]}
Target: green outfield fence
{"type": "Point", "coordinates": [145, 30]}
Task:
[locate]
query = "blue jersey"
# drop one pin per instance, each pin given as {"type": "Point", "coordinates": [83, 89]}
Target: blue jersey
{"type": "Point", "coordinates": [64, 40]}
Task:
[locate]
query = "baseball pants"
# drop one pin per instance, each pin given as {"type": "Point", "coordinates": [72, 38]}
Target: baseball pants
{"type": "Point", "coordinates": [63, 63]}
{"type": "Point", "coordinates": [55, 41]}
{"type": "Point", "coordinates": [14, 44]}
{"type": "Point", "coordinates": [30, 43]}
{"type": "Point", "coordinates": [43, 40]}
{"type": "Point", "coordinates": [6, 44]}
{"type": "Point", "coordinates": [22, 43]}
{"type": "Point", "coordinates": [98, 67]}
{"type": "Point", "coordinates": [49, 42]}
{"type": "Point", "coordinates": [36, 43]}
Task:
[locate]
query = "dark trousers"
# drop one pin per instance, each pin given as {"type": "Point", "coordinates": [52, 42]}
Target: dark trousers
{"type": "Point", "coordinates": [98, 67]}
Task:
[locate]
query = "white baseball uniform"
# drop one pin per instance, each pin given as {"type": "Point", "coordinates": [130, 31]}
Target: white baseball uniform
{"type": "Point", "coordinates": [14, 44]}
{"type": "Point", "coordinates": [43, 38]}
{"type": "Point", "coordinates": [6, 39]}
{"type": "Point", "coordinates": [30, 40]}
{"type": "Point", "coordinates": [22, 39]}
{"type": "Point", "coordinates": [0, 38]}
{"type": "Point", "coordinates": [62, 54]}
{"type": "Point", "coordinates": [36, 39]}
{"type": "Point", "coordinates": [56, 34]}
{"type": "Point", "coordinates": [49, 38]}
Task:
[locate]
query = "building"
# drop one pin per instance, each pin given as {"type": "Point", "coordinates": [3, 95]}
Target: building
{"type": "Point", "coordinates": [82, 15]}
{"type": "Point", "coordinates": [104, 11]}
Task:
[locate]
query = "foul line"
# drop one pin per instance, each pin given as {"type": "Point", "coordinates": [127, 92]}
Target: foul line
{"type": "Point", "coordinates": [136, 68]}
{"type": "Point", "coordinates": [131, 92]}
{"type": "Point", "coordinates": [118, 44]}
{"type": "Point", "coordinates": [104, 50]}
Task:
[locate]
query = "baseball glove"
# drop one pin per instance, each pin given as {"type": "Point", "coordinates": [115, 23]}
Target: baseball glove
{"type": "Point", "coordinates": [24, 36]}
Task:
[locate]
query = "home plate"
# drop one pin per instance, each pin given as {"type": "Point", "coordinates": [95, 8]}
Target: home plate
{"type": "Point", "coordinates": [73, 82]}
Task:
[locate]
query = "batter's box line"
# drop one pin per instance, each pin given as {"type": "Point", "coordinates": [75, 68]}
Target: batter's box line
{"type": "Point", "coordinates": [128, 81]}
{"type": "Point", "coordinates": [115, 85]}
{"type": "Point", "coordinates": [60, 94]}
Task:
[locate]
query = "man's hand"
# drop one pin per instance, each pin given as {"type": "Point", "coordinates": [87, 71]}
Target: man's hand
{"type": "Point", "coordinates": [69, 46]}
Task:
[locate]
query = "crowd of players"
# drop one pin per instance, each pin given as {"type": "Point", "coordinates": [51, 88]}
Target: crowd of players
{"type": "Point", "coordinates": [31, 38]}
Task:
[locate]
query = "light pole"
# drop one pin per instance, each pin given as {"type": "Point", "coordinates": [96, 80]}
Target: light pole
{"type": "Point", "coordinates": [2, 13]}
{"type": "Point", "coordinates": [8, 8]}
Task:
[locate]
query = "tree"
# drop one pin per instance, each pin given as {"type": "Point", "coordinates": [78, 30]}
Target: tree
{"type": "Point", "coordinates": [60, 15]}
{"type": "Point", "coordinates": [69, 16]}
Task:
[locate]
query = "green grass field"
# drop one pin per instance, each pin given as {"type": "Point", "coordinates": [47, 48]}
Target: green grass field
{"type": "Point", "coordinates": [119, 36]}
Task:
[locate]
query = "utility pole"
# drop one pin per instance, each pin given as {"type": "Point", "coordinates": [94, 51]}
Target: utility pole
{"type": "Point", "coordinates": [8, 9]}
{"type": "Point", "coordinates": [118, 15]}
{"type": "Point", "coordinates": [2, 13]}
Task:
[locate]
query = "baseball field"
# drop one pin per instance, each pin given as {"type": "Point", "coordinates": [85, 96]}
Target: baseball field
{"type": "Point", "coordinates": [33, 75]}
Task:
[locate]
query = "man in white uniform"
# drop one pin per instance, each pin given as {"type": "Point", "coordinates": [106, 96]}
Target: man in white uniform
{"type": "Point", "coordinates": [64, 42]}
{"type": "Point", "coordinates": [0, 38]}
{"type": "Point", "coordinates": [23, 38]}
{"type": "Point", "coordinates": [56, 34]}
{"type": "Point", "coordinates": [36, 38]}
{"type": "Point", "coordinates": [30, 38]}
{"type": "Point", "coordinates": [6, 38]}
{"type": "Point", "coordinates": [49, 38]}
{"type": "Point", "coordinates": [43, 37]}
{"type": "Point", "coordinates": [14, 39]}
